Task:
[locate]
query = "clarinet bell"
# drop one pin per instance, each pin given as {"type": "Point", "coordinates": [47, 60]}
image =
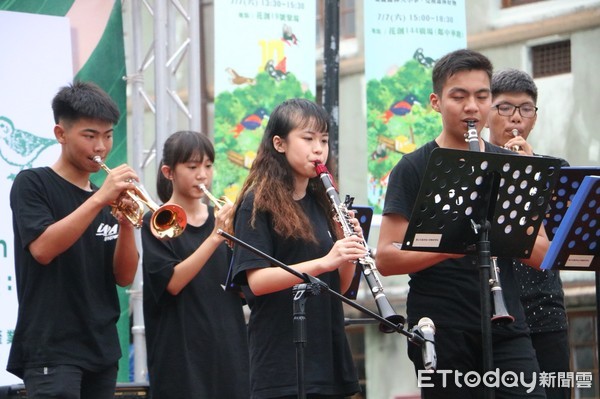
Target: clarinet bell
{"type": "Point", "coordinates": [501, 315]}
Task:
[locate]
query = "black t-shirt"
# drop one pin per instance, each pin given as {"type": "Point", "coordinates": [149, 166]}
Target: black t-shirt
{"type": "Point", "coordinates": [196, 340]}
{"type": "Point", "coordinates": [68, 309]}
{"type": "Point", "coordinates": [447, 292]}
{"type": "Point", "coordinates": [329, 368]}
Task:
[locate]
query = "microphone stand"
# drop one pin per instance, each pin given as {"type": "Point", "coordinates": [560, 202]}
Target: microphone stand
{"type": "Point", "coordinates": [312, 286]}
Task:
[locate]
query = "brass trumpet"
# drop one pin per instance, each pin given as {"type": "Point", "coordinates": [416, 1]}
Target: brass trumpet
{"type": "Point", "coordinates": [218, 202]}
{"type": "Point", "coordinates": [515, 148]}
{"type": "Point", "coordinates": [167, 221]}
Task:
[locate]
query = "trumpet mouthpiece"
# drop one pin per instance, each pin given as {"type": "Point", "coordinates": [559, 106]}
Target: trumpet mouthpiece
{"type": "Point", "coordinates": [515, 132]}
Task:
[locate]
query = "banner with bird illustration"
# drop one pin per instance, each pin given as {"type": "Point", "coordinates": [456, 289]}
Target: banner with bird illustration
{"type": "Point", "coordinates": [403, 39]}
{"type": "Point", "coordinates": [265, 53]}
{"type": "Point", "coordinates": [47, 45]}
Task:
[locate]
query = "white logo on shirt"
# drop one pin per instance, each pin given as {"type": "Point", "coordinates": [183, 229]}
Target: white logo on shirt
{"type": "Point", "coordinates": [108, 232]}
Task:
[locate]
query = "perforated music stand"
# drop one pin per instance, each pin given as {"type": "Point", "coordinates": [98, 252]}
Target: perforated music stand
{"type": "Point", "coordinates": [577, 236]}
{"type": "Point", "coordinates": [509, 191]}
{"type": "Point", "coordinates": [569, 181]}
{"type": "Point", "coordinates": [489, 204]}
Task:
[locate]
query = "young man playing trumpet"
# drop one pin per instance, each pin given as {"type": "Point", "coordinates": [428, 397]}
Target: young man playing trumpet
{"type": "Point", "coordinates": [514, 98]}
{"type": "Point", "coordinates": [69, 254]}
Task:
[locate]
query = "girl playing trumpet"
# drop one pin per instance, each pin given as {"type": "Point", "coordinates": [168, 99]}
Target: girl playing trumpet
{"type": "Point", "coordinates": [195, 329]}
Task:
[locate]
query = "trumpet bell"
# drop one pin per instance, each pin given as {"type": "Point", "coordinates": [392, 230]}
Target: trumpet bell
{"type": "Point", "coordinates": [168, 221]}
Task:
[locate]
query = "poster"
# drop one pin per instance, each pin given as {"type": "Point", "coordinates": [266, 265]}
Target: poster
{"type": "Point", "coordinates": [403, 40]}
{"type": "Point", "coordinates": [264, 54]}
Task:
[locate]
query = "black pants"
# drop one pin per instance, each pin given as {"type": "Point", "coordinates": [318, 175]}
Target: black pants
{"type": "Point", "coordinates": [460, 364]}
{"type": "Point", "coordinates": [70, 382]}
{"type": "Point", "coordinates": [552, 351]}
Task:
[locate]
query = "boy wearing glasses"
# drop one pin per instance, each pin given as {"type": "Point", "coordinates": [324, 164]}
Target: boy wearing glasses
{"type": "Point", "coordinates": [513, 116]}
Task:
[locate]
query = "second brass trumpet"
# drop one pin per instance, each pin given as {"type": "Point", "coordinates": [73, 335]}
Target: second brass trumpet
{"type": "Point", "coordinates": [218, 202]}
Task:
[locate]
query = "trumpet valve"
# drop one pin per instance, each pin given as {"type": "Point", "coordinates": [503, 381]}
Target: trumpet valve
{"type": "Point", "coordinates": [515, 133]}
{"type": "Point", "coordinates": [218, 202]}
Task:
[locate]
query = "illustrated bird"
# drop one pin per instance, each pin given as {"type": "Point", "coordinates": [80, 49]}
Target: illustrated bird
{"type": "Point", "coordinates": [277, 72]}
{"type": "Point", "coordinates": [380, 153]}
{"type": "Point", "coordinates": [427, 62]}
{"type": "Point", "coordinates": [288, 36]}
{"type": "Point", "coordinates": [250, 122]}
{"type": "Point", "coordinates": [400, 108]}
{"type": "Point", "coordinates": [19, 148]}
{"type": "Point", "coordinates": [237, 79]}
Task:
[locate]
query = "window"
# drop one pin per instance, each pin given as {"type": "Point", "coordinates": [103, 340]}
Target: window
{"type": "Point", "coordinates": [347, 21]}
{"type": "Point", "coordinates": [583, 342]}
{"type": "Point", "coordinates": [513, 3]}
{"type": "Point", "coordinates": [551, 59]}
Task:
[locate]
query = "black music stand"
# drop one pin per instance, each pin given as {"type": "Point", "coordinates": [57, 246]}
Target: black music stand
{"type": "Point", "coordinates": [576, 243]}
{"type": "Point", "coordinates": [364, 214]}
{"type": "Point", "coordinates": [569, 181]}
{"type": "Point", "coordinates": [488, 204]}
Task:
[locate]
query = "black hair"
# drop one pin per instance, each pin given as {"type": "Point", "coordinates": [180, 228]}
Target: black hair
{"type": "Point", "coordinates": [271, 177]}
{"type": "Point", "coordinates": [84, 100]}
{"type": "Point", "coordinates": [182, 146]}
{"type": "Point", "coordinates": [513, 81]}
{"type": "Point", "coordinates": [458, 61]}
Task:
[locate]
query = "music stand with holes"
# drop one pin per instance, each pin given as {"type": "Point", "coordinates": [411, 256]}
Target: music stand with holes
{"type": "Point", "coordinates": [576, 239]}
{"type": "Point", "coordinates": [576, 243]}
{"type": "Point", "coordinates": [569, 181]}
{"type": "Point", "coordinates": [488, 204]}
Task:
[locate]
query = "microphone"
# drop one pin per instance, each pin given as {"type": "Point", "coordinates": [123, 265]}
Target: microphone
{"type": "Point", "coordinates": [426, 328]}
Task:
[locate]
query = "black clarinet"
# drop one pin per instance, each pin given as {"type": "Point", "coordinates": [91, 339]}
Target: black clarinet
{"type": "Point", "coordinates": [501, 315]}
{"type": "Point", "coordinates": [471, 136]}
{"type": "Point", "coordinates": [342, 216]}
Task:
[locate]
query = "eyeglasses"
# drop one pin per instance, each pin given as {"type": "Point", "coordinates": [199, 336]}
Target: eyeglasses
{"type": "Point", "coordinates": [525, 110]}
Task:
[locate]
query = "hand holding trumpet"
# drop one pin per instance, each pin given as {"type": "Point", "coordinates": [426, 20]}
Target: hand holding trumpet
{"type": "Point", "coordinates": [167, 221]}
{"type": "Point", "coordinates": [223, 212]}
{"type": "Point", "coordinates": [117, 181]}
{"type": "Point", "coordinates": [518, 144]}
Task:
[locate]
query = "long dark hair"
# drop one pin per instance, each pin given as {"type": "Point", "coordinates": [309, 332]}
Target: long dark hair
{"type": "Point", "coordinates": [271, 177]}
{"type": "Point", "coordinates": [182, 146]}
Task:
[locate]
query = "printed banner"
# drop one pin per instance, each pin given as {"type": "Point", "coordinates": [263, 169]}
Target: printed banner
{"type": "Point", "coordinates": [403, 39]}
{"type": "Point", "coordinates": [26, 122]}
{"type": "Point", "coordinates": [44, 57]}
{"type": "Point", "coordinates": [264, 54]}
